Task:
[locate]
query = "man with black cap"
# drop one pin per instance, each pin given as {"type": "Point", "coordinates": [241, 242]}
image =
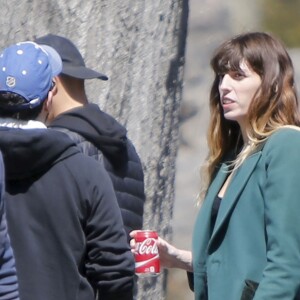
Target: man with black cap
{"type": "Point", "coordinates": [97, 133]}
{"type": "Point", "coordinates": [63, 217]}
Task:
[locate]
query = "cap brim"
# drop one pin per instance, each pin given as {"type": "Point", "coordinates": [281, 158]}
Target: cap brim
{"type": "Point", "coordinates": [82, 72]}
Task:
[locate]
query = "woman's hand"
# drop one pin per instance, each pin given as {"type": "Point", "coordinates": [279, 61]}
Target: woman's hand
{"type": "Point", "coordinates": [170, 256]}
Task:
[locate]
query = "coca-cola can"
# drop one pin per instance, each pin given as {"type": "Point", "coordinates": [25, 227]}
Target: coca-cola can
{"type": "Point", "coordinates": [146, 253]}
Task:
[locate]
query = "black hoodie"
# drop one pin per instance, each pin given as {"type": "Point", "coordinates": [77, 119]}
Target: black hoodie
{"type": "Point", "coordinates": [99, 135]}
{"type": "Point", "coordinates": [63, 219]}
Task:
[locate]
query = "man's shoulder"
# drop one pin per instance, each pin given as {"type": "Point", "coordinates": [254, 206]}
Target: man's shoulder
{"type": "Point", "coordinates": [85, 163]}
{"type": "Point", "coordinates": [132, 152]}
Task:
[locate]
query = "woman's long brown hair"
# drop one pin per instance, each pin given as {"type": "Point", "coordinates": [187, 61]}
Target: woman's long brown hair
{"type": "Point", "coordinates": [274, 105]}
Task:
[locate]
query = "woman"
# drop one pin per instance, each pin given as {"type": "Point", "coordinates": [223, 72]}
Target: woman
{"type": "Point", "coordinates": [246, 241]}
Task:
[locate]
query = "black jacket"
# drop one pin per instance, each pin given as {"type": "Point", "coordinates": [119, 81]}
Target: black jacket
{"type": "Point", "coordinates": [99, 135]}
{"type": "Point", "coordinates": [64, 221]}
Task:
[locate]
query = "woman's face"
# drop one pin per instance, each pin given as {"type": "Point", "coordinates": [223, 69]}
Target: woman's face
{"type": "Point", "coordinates": [237, 90]}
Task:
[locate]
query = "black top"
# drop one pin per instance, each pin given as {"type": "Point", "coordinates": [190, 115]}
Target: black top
{"type": "Point", "coordinates": [100, 136]}
{"type": "Point", "coordinates": [214, 211]}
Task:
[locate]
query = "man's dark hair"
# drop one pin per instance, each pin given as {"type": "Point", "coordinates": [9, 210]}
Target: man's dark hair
{"type": "Point", "coordinates": [8, 103]}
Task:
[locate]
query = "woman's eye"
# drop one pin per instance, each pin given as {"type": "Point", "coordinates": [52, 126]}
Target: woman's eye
{"type": "Point", "coordinates": [237, 75]}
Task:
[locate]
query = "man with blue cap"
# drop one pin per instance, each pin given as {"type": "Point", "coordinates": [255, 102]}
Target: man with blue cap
{"type": "Point", "coordinates": [65, 224]}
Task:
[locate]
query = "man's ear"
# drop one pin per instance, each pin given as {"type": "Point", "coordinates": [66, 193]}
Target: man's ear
{"type": "Point", "coordinates": [54, 85]}
{"type": "Point", "coordinates": [48, 102]}
{"type": "Point", "coordinates": [45, 113]}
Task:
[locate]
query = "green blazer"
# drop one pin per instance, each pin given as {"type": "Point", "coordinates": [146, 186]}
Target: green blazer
{"type": "Point", "coordinates": [256, 237]}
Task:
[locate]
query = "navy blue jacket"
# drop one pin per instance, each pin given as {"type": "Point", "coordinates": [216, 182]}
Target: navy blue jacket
{"type": "Point", "coordinates": [8, 276]}
{"type": "Point", "coordinates": [64, 221]}
{"type": "Point", "coordinates": [100, 136]}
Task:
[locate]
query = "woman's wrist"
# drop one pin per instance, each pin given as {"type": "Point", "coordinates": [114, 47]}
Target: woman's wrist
{"type": "Point", "coordinates": [184, 260]}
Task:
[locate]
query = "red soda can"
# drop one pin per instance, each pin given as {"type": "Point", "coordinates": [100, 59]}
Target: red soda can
{"type": "Point", "coordinates": [146, 253]}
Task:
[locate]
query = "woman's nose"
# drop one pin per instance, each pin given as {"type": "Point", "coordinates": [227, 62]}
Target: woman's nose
{"type": "Point", "coordinates": [224, 82]}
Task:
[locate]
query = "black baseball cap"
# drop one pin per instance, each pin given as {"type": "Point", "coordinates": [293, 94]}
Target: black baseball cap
{"type": "Point", "coordinates": [73, 63]}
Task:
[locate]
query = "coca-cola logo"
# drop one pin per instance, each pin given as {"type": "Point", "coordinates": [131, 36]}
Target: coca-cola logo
{"type": "Point", "coordinates": [146, 247]}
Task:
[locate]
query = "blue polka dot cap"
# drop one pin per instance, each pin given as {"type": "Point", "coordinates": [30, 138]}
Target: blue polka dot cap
{"type": "Point", "coordinates": [27, 69]}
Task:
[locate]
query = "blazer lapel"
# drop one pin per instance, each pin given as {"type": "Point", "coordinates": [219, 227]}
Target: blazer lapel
{"type": "Point", "coordinates": [235, 188]}
{"type": "Point", "coordinates": [212, 192]}
{"type": "Point", "coordinates": [201, 234]}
